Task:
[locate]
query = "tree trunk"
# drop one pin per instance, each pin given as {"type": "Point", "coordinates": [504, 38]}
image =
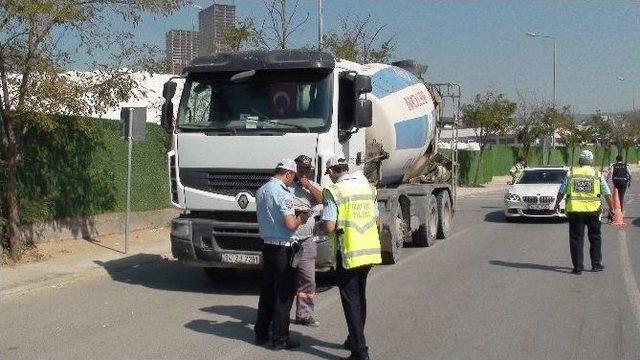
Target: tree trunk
{"type": "Point", "coordinates": [9, 157]}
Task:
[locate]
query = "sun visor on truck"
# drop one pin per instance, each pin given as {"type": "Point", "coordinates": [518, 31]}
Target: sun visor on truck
{"type": "Point", "coordinates": [262, 60]}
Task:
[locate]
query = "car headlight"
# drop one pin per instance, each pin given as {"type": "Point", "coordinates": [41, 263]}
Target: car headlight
{"type": "Point", "coordinates": [512, 197]}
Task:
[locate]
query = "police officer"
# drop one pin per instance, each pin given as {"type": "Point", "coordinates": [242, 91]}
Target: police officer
{"type": "Point", "coordinates": [278, 222]}
{"type": "Point", "coordinates": [517, 169]}
{"type": "Point", "coordinates": [350, 211]}
{"type": "Point", "coordinates": [306, 195]}
{"type": "Point", "coordinates": [583, 188]}
{"type": "Point", "coordinates": [620, 173]}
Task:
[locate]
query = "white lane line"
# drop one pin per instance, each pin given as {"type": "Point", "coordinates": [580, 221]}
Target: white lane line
{"type": "Point", "coordinates": [241, 350]}
{"type": "Point", "coordinates": [629, 279]}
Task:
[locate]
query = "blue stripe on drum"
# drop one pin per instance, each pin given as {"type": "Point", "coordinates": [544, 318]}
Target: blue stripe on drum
{"type": "Point", "coordinates": [412, 133]}
{"type": "Point", "coordinates": [391, 79]}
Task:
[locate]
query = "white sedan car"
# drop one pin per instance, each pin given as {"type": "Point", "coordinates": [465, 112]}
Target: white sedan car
{"type": "Point", "coordinates": [534, 194]}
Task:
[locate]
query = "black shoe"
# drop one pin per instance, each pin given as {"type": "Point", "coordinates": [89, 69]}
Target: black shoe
{"type": "Point", "coordinates": [286, 345]}
{"type": "Point", "coordinates": [261, 340]}
{"type": "Point", "coordinates": [346, 345]}
{"type": "Point", "coordinates": [576, 271]}
{"type": "Point", "coordinates": [356, 357]}
{"type": "Point", "coordinates": [597, 268]}
{"type": "Point", "coordinates": [310, 321]}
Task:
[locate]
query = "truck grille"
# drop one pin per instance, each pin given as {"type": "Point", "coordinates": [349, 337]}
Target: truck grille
{"type": "Point", "coordinates": [239, 243]}
{"type": "Point", "coordinates": [228, 182]}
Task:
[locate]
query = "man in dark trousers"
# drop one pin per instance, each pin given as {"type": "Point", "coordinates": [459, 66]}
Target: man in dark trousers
{"type": "Point", "coordinates": [583, 188]}
{"type": "Point", "coordinates": [277, 222]}
{"type": "Point", "coordinates": [620, 173]}
{"type": "Point", "coordinates": [350, 213]}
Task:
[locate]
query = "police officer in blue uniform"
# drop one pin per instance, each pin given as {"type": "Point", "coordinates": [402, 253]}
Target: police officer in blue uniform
{"type": "Point", "coordinates": [278, 222]}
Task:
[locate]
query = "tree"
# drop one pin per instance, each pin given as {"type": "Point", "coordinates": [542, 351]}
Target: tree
{"type": "Point", "coordinates": [490, 116]}
{"type": "Point", "coordinates": [599, 132]}
{"type": "Point", "coordinates": [240, 36]}
{"type": "Point", "coordinates": [359, 39]}
{"type": "Point", "coordinates": [280, 25]}
{"type": "Point", "coordinates": [528, 122]}
{"type": "Point", "coordinates": [35, 85]}
{"type": "Point", "coordinates": [573, 136]}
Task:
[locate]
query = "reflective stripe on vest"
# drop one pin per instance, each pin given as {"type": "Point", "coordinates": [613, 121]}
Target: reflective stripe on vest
{"type": "Point", "coordinates": [583, 190]}
{"type": "Point", "coordinates": [356, 223]}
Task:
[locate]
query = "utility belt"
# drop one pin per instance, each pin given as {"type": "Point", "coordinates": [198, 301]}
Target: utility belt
{"type": "Point", "coordinates": [620, 179]}
{"type": "Point", "coordinates": [296, 249]}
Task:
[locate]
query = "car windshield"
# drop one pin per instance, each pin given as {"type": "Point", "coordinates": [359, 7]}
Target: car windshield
{"type": "Point", "coordinates": [550, 176]}
{"type": "Point", "coordinates": [267, 101]}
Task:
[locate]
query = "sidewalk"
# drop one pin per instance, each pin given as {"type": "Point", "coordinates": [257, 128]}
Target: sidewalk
{"type": "Point", "coordinates": [72, 259]}
{"type": "Point", "coordinates": [66, 261]}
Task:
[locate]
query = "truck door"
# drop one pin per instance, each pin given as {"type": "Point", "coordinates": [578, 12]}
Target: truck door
{"type": "Point", "coordinates": [351, 140]}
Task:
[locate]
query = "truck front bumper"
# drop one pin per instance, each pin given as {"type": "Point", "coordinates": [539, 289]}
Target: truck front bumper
{"type": "Point", "coordinates": [212, 243]}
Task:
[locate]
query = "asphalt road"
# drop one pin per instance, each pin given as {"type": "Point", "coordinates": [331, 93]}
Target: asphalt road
{"type": "Point", "coordinates": [494, 290]}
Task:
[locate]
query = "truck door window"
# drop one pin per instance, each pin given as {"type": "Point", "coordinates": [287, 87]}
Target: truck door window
{"type": "Point", "coordinates": [345, 104]}
{"type": "Point", "coordinates": [198, 107]}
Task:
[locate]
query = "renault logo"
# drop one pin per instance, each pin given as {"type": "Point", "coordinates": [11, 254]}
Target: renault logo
{"type": "Point", "coordinates": [243, 201]}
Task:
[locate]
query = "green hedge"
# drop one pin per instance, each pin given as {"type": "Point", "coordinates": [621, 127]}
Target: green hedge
{"type": "Point", "coordinates": [78, 167]}
{"type": "Point", "coordinates": [498, 160]}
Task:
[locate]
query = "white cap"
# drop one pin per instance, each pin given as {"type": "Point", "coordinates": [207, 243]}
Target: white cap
{"type": "Point", "coordinates": [287, 164]}
{"type": "Point", "coordinates": [586, 157]}
{"type": "Point", "coordinates": [335, 160]}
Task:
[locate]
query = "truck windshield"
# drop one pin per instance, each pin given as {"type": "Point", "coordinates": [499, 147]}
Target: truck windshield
{"type": "Point", "coordinates": [270, 100]}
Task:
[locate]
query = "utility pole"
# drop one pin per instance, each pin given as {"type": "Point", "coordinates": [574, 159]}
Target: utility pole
{"type": "Point", "coordinates": [319, 25]}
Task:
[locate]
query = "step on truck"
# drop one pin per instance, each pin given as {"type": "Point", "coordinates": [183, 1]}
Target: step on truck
{"type": "Point", "coordinates": [239, 113]}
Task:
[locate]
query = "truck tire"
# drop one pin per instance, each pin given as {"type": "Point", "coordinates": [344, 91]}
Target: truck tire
{"type": "Point", "coordinates": [394, 234]}
{"type": "Point", "coordinates": [218, 275]}
{"type": "Point", "coordinates": [445, 215]}
{"type": "Point", "coordinates": [426, 234]}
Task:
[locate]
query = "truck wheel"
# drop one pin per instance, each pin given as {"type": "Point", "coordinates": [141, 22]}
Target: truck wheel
{"type": "Point", "coordinates": [394, 233]}
{"type": "Point", "coordinates": [219, 274]}
{"type": "Point", "coordinates": [425, 235]}
{"type": "Point", "coordinates": [444, 215]}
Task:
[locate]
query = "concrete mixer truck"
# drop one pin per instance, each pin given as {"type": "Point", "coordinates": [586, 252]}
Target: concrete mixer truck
{"type": "Point", "coordinates": [241, 112]}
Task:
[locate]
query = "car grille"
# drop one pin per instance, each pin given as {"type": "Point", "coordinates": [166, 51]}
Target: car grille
{"type": "Point", "coordinates": [547, 199]}
{"type": "Point", "coordinates": [225, 181]}
{"type": "Point", "coordinates": [538, 200]}
{"type": "Point", "coordinates": [539, 212]}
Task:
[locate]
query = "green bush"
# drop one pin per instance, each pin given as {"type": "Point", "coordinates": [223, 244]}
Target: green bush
{"type": "Point", "coordinates": [498, 160]}
{"type": "Point", "coordinates": [78, 167]}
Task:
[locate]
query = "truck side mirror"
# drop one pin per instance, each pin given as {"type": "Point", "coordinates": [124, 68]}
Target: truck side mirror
{"type": "Point", "coordinates": [362, 84]}
{"type": "Point", "coordinates": [362, 113]}
{"type": "Point", "coordinates": [169, 90]}
{"type": "Point", "coordinates": [166, 115]}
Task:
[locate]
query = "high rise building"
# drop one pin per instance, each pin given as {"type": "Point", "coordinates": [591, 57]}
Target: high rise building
{"type": "Point", "coordinates": [213, 21]}
{"type": "Point", "coordinates": [182, 47]}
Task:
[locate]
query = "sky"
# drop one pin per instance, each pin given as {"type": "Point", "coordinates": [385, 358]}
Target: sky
{"type": "Point", "coordinates": [482, 44]}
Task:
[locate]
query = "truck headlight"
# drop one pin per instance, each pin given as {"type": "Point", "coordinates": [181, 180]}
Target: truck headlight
{"type": "Point", "coordinates": [512, 197]}
{"type": "Point", "coordinates": [181, 229]}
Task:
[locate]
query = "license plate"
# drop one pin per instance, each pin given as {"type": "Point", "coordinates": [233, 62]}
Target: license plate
{"type": "Point", "coordinates": [241, 259]}
{"type": "Point", "coordinates": [538, 207]}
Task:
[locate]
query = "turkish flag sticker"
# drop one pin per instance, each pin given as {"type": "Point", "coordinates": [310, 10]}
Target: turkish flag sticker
{"type": "Point", "coordinates": [283, 98]}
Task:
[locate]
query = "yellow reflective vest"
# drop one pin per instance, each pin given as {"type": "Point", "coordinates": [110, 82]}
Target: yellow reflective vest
{"type": "Point", "coordinates": [356, 224]}
{"type": "Point", "coordinates": [583, 190]}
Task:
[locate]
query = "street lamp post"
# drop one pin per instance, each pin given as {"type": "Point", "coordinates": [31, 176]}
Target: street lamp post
{"type": "Point", "coordinates": [555, 48]}
{"type": "Point", "coordinates": [633, 95]}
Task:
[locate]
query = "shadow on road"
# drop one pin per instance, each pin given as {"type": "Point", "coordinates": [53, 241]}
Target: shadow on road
{"type": "Point", "coordinates": [498, 217]}
{"type": "Point", "coordinates": [239, 328]}
{"type": "Point", "coordinates": [150, 270]}
{"type": "Point", "coordinates": [517, 265]}
{"type": "Point", "coordinates": [636, 221]}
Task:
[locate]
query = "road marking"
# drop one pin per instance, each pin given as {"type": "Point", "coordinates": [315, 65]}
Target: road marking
{"type": "Point", "coordinates": [629, 279]}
